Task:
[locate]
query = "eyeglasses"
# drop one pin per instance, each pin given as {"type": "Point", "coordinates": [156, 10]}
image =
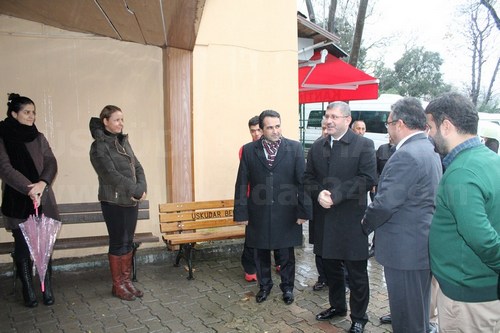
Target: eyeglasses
{"type": "Point", "coordinates": [334, 117]}
{"type": "Point", "coordinates": [387, 123]}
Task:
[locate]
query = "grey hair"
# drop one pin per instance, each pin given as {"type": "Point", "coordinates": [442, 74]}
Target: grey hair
{"type": "Point", "coordinates": [343, 107]}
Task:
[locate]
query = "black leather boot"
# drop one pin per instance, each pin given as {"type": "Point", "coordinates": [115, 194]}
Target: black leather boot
{"type": "Point", "coordinates": [24, 273]}
{"type": "Point", "coordinates": [48, 296]}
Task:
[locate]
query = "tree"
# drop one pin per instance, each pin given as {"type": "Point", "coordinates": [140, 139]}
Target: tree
{"type": "Point", "coordinates": [340, 20]}
{"type": "Point", "coordinates": [489, 5]}
{"type": "Point", "coordinates": [331, 15]}
{"type": "Point", "coordinates": [358, 33]}
{"type": "Point", "coordinates": [417, 73]}
{"type": "Point", "coordinates": [479, 32]}
{"type": "Point", "coordinates": [310, 11]}
{"type": "Point", "coordinates": [388, 81]}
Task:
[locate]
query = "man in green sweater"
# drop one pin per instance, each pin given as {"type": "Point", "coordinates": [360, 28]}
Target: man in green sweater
{"type": "Point", "coordinates": [464, 239]}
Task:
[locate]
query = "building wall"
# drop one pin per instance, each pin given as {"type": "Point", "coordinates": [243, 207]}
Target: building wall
{"type": "Point", "coordinates": [71, 77]}
{"type": "Point", "coordinates": [244, 61]}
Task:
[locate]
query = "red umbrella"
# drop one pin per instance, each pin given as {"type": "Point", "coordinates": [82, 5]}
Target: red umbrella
{"type": "Point", "coordinates": [334, 80]}
{"type": "Point", "coordinates": [40, 234]}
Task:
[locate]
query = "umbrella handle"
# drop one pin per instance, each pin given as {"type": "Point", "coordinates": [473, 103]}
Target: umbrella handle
{"type": "Point", "coordinates": [36, 207]}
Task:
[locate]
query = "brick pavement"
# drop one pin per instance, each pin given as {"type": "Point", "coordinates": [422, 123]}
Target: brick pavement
{"type": "Point", "coordinates": [218, 300]}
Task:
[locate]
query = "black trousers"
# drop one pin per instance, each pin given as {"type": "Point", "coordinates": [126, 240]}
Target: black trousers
{"type": "Point", "coordinates": [358, 283]}
{"type": "Point", "coordinates": [287, 271]}
{"type": "Point", "coordinates": [248, 261]}
{"type": "Point", "coordinates": [21, 249]}
{"type": "Point", "coordinates": [321, 271]}
{"type": "Point", "coordinates": [121, 222]}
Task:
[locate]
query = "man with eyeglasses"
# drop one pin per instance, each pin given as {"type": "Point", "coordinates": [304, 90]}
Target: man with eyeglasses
{"type": "Point", "coordinates": [341, 169]}
{"type": "Point", "coordinates": [401, 215]}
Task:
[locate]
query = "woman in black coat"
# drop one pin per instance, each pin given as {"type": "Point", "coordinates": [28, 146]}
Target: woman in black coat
{"type": "Point", "coordinates": [122, 184]}
{"type": "Point", "coordinates": [27, 168]}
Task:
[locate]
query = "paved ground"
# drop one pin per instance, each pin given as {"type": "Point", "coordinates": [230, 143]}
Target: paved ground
{"type": "Point", "coordinates": [218, 300]}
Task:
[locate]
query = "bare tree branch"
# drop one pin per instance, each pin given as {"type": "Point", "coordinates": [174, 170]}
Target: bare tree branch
{"type": "Point", "coordinates": [488, 5]}
{"type": "Point", "coordinates": [489, 92]}
{"type": "Point", "coordinates": [310, 11]}
{"type": "Point", "coordinates": [331, 16]}
{"type": "Point", "coordinates": [478, 33]}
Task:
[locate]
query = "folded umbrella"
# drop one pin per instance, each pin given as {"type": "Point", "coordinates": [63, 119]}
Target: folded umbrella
{"type": "Point", "coordinates": [40, 234]}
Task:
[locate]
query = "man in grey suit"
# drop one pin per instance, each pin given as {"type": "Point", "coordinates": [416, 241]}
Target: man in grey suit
{"type": "Point", "coordinates": [401, 214]}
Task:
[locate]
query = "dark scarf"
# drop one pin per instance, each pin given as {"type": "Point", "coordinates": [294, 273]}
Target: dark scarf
{"type": "Point", "coordinates": [119, 136]}
{"type": "Point", "coordinates": [15, 136]}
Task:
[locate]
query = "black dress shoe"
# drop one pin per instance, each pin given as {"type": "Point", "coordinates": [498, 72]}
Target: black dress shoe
{"type": "Point", "coordinates": [357, 328]}
{"type": "Point", "coordinates": [319, 286]}
{"type": "Point", "coordinates": [288, 297]}
{"type": "Point", "coordinates": [386, 319]}
{"type": "Point", "coordinates": [330, 313]}
{"type": "Point", "coordinates": [261, 295]}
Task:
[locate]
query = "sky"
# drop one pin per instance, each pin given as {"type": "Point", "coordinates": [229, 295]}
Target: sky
{"type": "Point", "coordinates": [433, 24]}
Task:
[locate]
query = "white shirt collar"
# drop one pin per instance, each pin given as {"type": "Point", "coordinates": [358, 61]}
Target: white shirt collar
{"type": "Point", "coordinates": [406, 138]}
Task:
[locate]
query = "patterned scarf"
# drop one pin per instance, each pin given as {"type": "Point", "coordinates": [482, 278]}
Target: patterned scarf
{"type": "Point", "coordinates": [271, 149]}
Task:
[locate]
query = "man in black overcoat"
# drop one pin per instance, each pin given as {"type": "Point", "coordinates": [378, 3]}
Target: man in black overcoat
{"type": "Point", "coordinates": [276, 205]}
{"type": "Point", "coordinates": [341, 169]}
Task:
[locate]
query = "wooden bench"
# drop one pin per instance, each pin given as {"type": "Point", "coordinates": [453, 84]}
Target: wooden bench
{"type": "Point", "coordinates": [187, 223]}
{"type": "Point", "coordinates": [89, 212]}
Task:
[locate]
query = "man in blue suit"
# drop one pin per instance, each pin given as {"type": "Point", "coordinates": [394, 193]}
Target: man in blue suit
{"type": "Point", "coordinates": [401, 214]}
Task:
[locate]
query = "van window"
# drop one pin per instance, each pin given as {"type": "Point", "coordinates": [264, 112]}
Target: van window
{"type": "Point", "coordinates": [374, 120]}
{"type": "Point", "coordinates": [315, 117]}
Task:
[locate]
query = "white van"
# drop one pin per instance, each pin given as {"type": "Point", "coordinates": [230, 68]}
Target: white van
{"type": "Point", "coordinates": [373, 112]}
{"type": "Point", "coordinates": [493, 117]}
{"type": "Point", "coordinates": [489, 126]}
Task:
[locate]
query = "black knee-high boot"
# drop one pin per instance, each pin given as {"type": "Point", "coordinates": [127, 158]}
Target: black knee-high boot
{"type": "Point", "coordinates": [48, 296]}
{"type": "Point", "coordinates": [24, 271]}
{"type": "Point", "coordinates": [24, 268]}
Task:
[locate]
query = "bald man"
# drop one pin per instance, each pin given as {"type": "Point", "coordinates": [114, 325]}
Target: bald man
{"type": "Point", "coordinates": [359, 127]}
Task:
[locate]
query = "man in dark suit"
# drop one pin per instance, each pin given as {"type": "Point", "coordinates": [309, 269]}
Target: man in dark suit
{"type": "Point", "coordinates": [276, 205]}
{"type": "Point", "coordinates": [321, 283]}
{"type": "Point", "coordinates": [340, 170]}
{"type": "Point", "coordinates": [247, 257]}
{"type": "Point", "coordinates": [401, 214]}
